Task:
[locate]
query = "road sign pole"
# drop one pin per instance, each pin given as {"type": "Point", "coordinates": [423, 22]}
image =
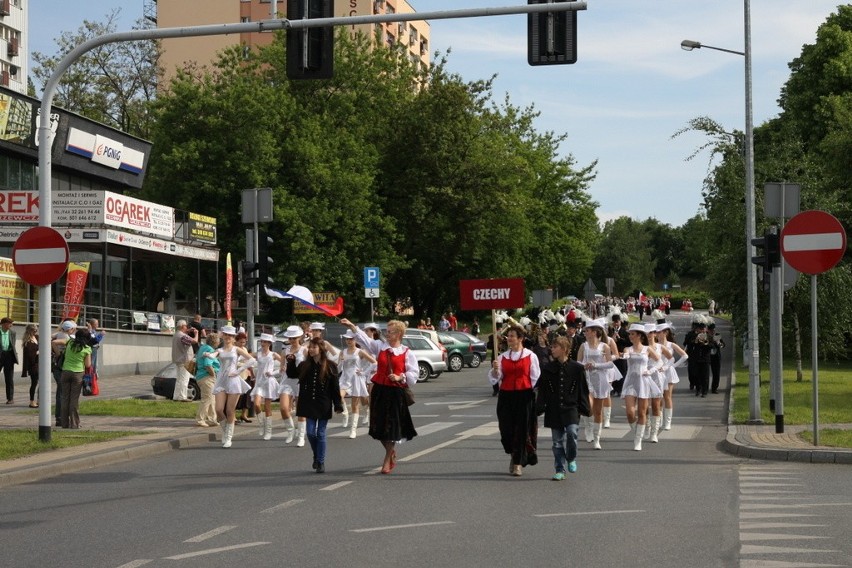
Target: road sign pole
{"type": "Point", "coordinates": [814, 363]}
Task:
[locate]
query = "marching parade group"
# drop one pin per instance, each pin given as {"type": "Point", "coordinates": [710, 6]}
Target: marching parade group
{"type": "Point", "coordinates": [568, 371]}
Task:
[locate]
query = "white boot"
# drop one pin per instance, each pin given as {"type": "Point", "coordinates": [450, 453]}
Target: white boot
{"type": "Point", "coordinates": [291, 429]}
{"type": "Point", "coordinates": [667, 419]}
{"type": "Point", "coordinates": [607, 414]}
{"type": "Point", "coordinates": [655, 428]}
{"type": "Point", "coordinates": [345, 416]}
{"type": "Point", "coordinates": [649, 419]}
{"type": "Point", "coordinates": [261, 424]}
{"type": "Point", "coordinates": [590, 433]}
{"type": "Point", "coordinates": [267, 431]}
{"type": "Point", "coordinates": [300, 436]}
{"type": "Point", "coordinates": [229, 433]}
{"type": "Point", "coordinates": [365, 420]}
{"type": "Point", "coordinates": [637, 437]}
{"type": "Point", "coordinates": [632, 427]}
{"type": "Point", "coordinates": [353, 428]}
{"type": "Point", "coordinates": [597, 433]}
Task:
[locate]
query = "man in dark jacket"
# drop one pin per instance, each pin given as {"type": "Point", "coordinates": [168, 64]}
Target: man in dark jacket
{"type": "Point", "coordinates": [563, 396]}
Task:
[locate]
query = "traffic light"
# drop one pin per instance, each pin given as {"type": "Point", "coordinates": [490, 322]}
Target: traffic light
{"type": "Point", "coordinates": [247, 274]}
{"type": "Point", "coordinates": [770, 246]}
{"type": "Point", "coordinates": [310, 52]}
{"type": "Point", "coordinates": [264, 261]}
{"type": "Point", "coordinates": [551, 36]}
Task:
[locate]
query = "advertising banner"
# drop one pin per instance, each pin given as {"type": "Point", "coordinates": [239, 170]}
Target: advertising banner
{"type": "Point", "coordinates": [492, 294]}
{"type": "Point", "coordinates": [229, 285]}
{"type": "Point", "coordinates": [75, 286]}
{"type": "Point", "coordinates": [13, 292]}
{"type": "Point", "coordinates": [202, 228]}
{"type": "Point", "coordinates": [319, 298]}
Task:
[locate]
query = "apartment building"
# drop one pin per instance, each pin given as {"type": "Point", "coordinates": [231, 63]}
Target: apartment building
{"type": "Point", "coordinates": [13, 45]}
{"type": "Point", "coordinates": [202, 50]}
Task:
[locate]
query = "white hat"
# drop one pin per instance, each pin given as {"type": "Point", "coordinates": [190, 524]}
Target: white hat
{"type": "Point", "coordinates": [637, 327]}
{"type": "Point", "coordinates": [228, 330]}
{"type": "Point", "coordinates": [371, 325]}
{"type": "Point", "coordinates": [664, 326]}
{"type": "Point", "coordinates": [267, 337]}
{"type": "Point", "coordinates": [650, 327]}
{"type": "Point", "coordinates": [317, 326]}
{"type": "Point", "coordinates": [349, 334]}
{"type": "Point", "coordinates": [68, 326]}
{"type": "Point", "coordinates": [601, 323]}
{"type": "Point", "coordinates": [293, 331]}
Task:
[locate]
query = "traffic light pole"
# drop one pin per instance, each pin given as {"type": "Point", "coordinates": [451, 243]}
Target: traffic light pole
{"type": "Point", "coordinates": [776, 359]}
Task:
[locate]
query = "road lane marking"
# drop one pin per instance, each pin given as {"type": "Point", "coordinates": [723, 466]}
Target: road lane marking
{"type": "Point", "coordinates": [544, 515]}
{"type": "Point", "coordinates": [210, 534]}
{"type": "Point", "coordinates": [776, 536]}
{"type": "Point", "coordinates": [773, 515]}
{"type": "Point", "coordinates": [283, 505]}
{"type": "Point", "coordinates": [336, 486]}
{"type": "Point", "coordinates": [136, 563]}
{"type": "Point", "coordinates": [791, 505]}
{"type": "Point", "coordinates": [215, 550]}
{"type": "Point", "coordinates": [756, 549]}
{"type": "Point", "coordinates": [396, 527]}
{"type": "Point", "coordinates": [747, 526]}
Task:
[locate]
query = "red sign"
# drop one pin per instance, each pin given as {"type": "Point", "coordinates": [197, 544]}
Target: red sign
{"type": "Point", "coordinates": [492, 294]}
{"type": "Point", "coordinates": [813, 242]}
{"type": "Point", "coordinates": [40, 256]}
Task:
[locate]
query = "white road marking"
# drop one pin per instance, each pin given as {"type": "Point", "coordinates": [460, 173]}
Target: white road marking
{"type": "Point", "coordinates": [769, 492]}
{"type": "Point", "coordinates": [210, 534]}
{"type": "Point", "coordinates": [433, 427]}
{"type": "Point", "coordinates": [791, 505]}
{"type": "Point", "coordinates": [471, 416]}
{"type": "Point", "coordinates": [336, 486]}
{"type": "Point", "coordinates": [215, 550]}
{"type": "Point", "coordinates": [773, 515]}
{"type": "Point", "coordinates": [589, 513]}
{"type": "Point", "coordinates": [782, 564]}
{"type": "Point", "coordinates": [136, 563]}
{"type": "Point", "coordinates": [770, 497]}
{"type": "Point", "coordinates": [425, 415]}
{"type": "Point", "coordinates": [756, 484]}
{"type": "Point", "coordinates": [756, 549]}
{"type": "Point", "coordinates": [396, 527]}
{"type": "Point", "coordinates": [447, 403]}
{"type": "Point", "coordinates": [284, 505]}
{"type": "Point", "coordinates": [749, 525]}
{"type": "Point", "coordinates": [776, 536]}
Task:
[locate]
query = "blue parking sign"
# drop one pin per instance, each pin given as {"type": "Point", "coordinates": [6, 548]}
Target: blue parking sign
{"type": "Point", "coordinates": [371, 277]}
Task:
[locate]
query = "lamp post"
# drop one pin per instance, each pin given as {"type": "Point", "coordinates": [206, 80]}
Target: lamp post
{"type": "Point", "coordinates": [752, 346]}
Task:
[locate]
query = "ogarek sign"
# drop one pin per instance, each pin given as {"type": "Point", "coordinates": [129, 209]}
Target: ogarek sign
{"type": "Point", "coordinates": [491, 294]}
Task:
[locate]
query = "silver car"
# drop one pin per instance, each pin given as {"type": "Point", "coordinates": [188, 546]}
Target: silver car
{"type": "Point", "coordinates": [431, 359]}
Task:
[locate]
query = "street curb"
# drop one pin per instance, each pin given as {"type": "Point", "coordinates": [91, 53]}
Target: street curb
{"type": "Point", "coordinates": [28, 474]}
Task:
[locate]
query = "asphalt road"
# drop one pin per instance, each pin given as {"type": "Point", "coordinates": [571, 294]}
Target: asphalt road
{"type": "Point", "coordinates": [449, 502]}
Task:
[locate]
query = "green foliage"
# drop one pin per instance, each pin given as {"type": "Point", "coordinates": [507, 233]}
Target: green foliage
{"type": "Point", "coordinates": [19, 443]}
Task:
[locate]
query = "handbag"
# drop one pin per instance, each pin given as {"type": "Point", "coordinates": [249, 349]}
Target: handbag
{"type": "Point", "coordinates": [90, 383]}
{"type": "Point", "coordinates": [191, 366]}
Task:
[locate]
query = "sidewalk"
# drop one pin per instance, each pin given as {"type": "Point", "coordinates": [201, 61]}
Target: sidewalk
{"type": "Point", "coordinates": [160, 435]}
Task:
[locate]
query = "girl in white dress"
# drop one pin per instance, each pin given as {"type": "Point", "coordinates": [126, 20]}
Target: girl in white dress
{"type": "Point", "coordinates": [266, 384]}
{"type": "Point", "coordinates": [658, 378]}
{"type": "Point", "coordinates": [664, 337]}
{"type": "Point", "coordinates": [288, 389]}
{"type": "Point", "coordinates": [596, 356]}
{"type": "Point", "coordinates": [354, 363]}
{"type": "Point", "coordinates": [638, 387]}
{"type": "Point", "coordinates": [230, 385]}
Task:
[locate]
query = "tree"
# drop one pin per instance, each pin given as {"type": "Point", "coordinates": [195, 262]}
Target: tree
{"type": "Point", "coordinates": [624, 253]}
{"type": "Point", "coordinates": [113, 84]}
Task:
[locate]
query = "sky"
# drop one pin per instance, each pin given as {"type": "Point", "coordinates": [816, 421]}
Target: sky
{"type": "Point", "coordinates": [631, 89]}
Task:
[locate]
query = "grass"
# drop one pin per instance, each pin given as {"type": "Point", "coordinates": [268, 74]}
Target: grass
{"type": "Point", "coordinates": [25, 442]}
{"type": "Point", "coordinates": [835, 400]}
{"type": "Point", "coordinates": [138, 407]}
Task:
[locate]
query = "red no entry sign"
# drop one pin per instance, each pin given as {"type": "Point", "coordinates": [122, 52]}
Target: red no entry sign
{"type": "Point", "coordinates": [40, 256]}
{"type": "Point", "coordinates": [813, 242]}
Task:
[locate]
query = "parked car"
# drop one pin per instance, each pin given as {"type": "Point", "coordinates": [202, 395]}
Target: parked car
{"type": "Point", "coordinates": [431, 359]}
{"type": "Point", "coordinates": [430, 333]}
{"type": "Point", "coordinates": [164, 380]}
{"type": "Point", "coordinates": [477, 347]}
{"type": "Point", "coordinates": [459, 352]}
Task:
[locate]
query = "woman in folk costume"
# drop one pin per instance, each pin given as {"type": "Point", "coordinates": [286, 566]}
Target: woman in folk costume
{"type": "Point", "coordinates": [230, 385]}
{"type": "Point", "coordinates": [638, 387]}
{"type": "Point", "coordinates": [657, 376]}
{"type": "Point", "coordinates": [266, 384]}
{"type": "Point", "coordinates": [666, 339]}
{"type": "Point", "coordinates": [596, 357]}
{"type": "Point", "coordinates": [516, 371]}
{"type": "Point", "coordinates": [288, 389]}
{"type": "Point", "coordinates": [354, 363]}
{"type": "Point", "coordinates": [390, 419]}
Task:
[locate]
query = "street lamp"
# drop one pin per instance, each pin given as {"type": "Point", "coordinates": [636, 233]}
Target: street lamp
{"type": "Point", "coordinates": [752, 347]}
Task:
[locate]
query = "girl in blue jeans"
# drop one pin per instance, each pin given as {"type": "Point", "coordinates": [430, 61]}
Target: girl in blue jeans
{"type": "Point", "coordinates": [563, 396]}
{"type": "Point", "coordinates": [319, 390]}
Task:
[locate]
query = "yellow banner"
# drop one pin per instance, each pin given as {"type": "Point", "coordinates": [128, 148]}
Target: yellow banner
{"type": "Point", "coordinates": [13, 292]}
{"type": "Point", "coordinates": [319, 298]}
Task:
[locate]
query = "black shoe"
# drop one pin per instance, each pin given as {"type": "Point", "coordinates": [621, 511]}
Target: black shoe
{"type": "Point", "coordinates": [697, 393]}
{"type": "Point", "coordinates": [315, 464]}
{"type": "Point", "coordinates": [320, 468]}
{"type": "Point", "coordinates": [703, 395]}
{"type": "Point", "coordinates": [714, 391]}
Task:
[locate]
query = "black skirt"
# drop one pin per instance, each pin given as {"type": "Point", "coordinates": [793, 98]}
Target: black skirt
{"type": "Point", "coordinates": [518, 425]}
{"type": "Point", "coordinates": [390, 420]}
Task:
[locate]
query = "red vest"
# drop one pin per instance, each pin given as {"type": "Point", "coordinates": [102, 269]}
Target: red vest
{"type": "Point", "coordinates": [516, 374]}
{"type": "Point", "coordinates": [388, 364]}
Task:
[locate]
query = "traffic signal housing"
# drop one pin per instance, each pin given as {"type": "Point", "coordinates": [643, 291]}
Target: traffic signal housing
{"type": "Point", "coordinates": [310, 51]}
{"type": "Point", "coordinates": [247, 274]}
{"type": "Point", "coordinates": [264, 261]}
{"type": "Point", "coordinates": [551, 36]}
{"type": "Point", "coordinates": [770, 247]}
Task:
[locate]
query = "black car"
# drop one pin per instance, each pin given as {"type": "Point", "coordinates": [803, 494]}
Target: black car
{"type": "Point", "coordinates": [163, 384]}
{"type": "Point", "coordinates": [475, 345]}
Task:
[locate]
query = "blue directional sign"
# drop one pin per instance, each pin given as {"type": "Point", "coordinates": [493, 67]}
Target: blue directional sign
{"type": "Point", "coordinates": [371, 277]}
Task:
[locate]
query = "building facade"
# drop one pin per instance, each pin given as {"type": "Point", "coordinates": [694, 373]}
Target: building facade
{"type": "Point", "coordinates": [13, 44]}
{"type": "Point", "coordinates": [202, 51]}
